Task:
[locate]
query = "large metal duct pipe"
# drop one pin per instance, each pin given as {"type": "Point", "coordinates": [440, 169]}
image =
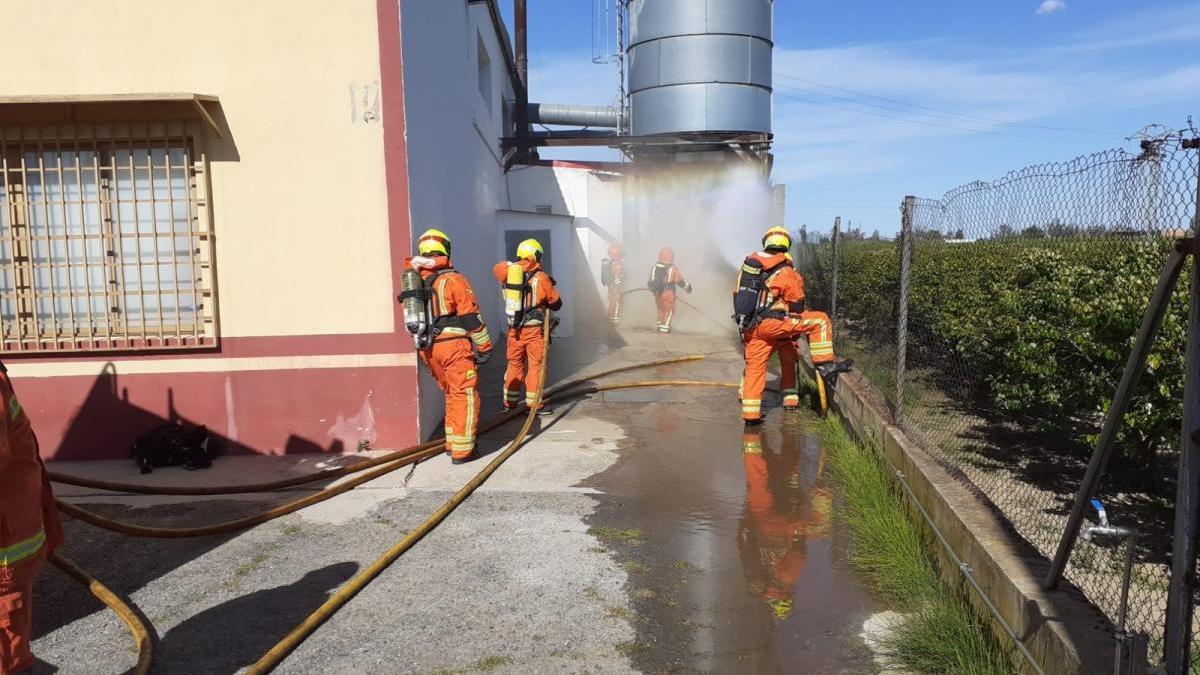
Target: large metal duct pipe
{"type": "Point", "coordinates": [574, 115]}
{"type": "Point", "coordinates": [700, 65]}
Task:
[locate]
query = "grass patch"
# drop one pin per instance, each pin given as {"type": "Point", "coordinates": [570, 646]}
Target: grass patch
{"type": "Point", "coordinates": [887, 549]}
{"type": "Point", "coordinates": [644, 594]}
{"type": "Point", "coordinates": [620, 612]}
{"type": "Point", "coordinates": [484, 665]}
{"type": "Point", "coordinates": [244, 570]}
{"type": "Point", "coordinates": [940, 632]}
{"type": "Point", "coordinates": [634, 567]}
{"type": "Point", "coordinates": [631, 536]}
{"type": "Point", "coordinates": [682, 565]}
{"type": "Point", "coordinates": [250, 565]}
{"type": "Point", "coordinates": [631, 647]}
{"type": "Point", "coordinates": [488, 663]}
{"type": "Point", "coordinates": [945, 636]}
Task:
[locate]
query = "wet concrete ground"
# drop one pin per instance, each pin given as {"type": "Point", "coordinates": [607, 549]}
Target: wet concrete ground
{"type": "Point", "coordinates": [640, 531]}
{"type": "Point", "coordinates": [736, 562]}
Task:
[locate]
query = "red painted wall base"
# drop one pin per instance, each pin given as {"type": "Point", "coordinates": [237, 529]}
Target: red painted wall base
{"type": "Point", "coordinates": [259, 412]}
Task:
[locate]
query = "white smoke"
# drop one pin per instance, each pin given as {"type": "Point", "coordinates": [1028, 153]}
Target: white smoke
{"type": "Point", "coordinates": [712, 216]}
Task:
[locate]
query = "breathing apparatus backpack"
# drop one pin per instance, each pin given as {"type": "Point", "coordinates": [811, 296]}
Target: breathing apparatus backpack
{"type": "Point", "coordinates": [516, 293]}
{"type": "Point", "coordinates": [606, 272]}
{"type": "Point", "coordinates": [750, 298]}
{"type": "Point", "coordinates": [658, 277]}
{"type": "Point", "coordinates": [416, 298]}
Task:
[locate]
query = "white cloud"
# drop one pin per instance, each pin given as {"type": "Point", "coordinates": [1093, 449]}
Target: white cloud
{"type": "Point", "coordinates": [934, 95]}
{"type": "Point", "coordinates": [1148, 27]}
{"type": "Point", "coordinates": [1051, 6]}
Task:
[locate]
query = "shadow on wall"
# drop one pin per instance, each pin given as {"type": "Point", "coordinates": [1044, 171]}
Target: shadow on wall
{"type": "Point", "coordinates": [107, 419]}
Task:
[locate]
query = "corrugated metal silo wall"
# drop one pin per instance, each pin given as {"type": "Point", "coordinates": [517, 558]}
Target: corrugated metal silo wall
{"type": "Point", "coordinates": [700, 65]}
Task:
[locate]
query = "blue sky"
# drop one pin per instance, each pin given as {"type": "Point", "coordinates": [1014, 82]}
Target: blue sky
{"type": "Point", "coordinates": [877, 99]}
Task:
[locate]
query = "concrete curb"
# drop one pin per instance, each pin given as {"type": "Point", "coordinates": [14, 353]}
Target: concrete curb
{"type": "Point", "coordinates": [1065, 633]}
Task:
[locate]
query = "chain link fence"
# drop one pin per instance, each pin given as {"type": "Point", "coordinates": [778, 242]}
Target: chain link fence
{"type": "Point", "coordinates": [1024, 296]}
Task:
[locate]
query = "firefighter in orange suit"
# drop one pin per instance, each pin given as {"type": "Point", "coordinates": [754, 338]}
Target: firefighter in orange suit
{"type": "Point", "coordinates": [527, 296]}
{"type": "Point", "coordinates": [29, 528]}
{"type": "Point", "coordinates": [615, 281]}
{"type": "Point", "coordinates": [664, 278]}
{"type": "Point", "coordinates": [458, 327]}
{"type": "Point", "coordinates": [776, 321]}
{"type": "Point", "coordinates": [782, 514]}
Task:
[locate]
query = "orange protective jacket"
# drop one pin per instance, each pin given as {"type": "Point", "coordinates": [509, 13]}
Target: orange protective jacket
{"type": "Point", "coordinates": [28, 516]}
{"type": "Point", "coordinates": [453, 297]}
{"type": "Point", "coordinates": [542, 293]}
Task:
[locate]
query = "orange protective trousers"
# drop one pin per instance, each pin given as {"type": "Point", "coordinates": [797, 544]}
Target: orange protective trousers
{"type": "Point", "coordinates": [772, 547]}
{"type": "Point", "coordinates": [526, 358]}
{"type": "Point", "coordinates": [453, 366]}
{"type": "Point", "coordinates": [771, 335]}
{"type": "Point", "coordinates": [614, 304]}
{"type": "Point", "coordinates": [665, 302]}
{"type": "Point", "coordinates": [16, 614]}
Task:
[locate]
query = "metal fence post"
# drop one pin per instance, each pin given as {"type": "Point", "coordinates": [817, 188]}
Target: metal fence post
{"type": "Point", "coordinates": [1135, 365]}
{"type": "Point", "coordinates": [1180, 598]}
{"type": "Point", "coordinates": [906, 219]}
{"type": "Point", "coordinates": [833, 289]}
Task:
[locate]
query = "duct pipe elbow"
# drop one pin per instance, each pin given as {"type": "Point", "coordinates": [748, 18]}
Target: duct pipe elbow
{"type": "Point", "coordinates": [574, 115]}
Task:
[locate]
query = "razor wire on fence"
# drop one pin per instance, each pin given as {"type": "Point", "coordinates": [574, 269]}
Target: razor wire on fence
{"type": "Point", "coordinates": [1024, 296]}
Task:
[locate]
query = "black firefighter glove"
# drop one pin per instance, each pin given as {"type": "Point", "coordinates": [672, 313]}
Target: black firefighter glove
{"type": "Point", "coordinates": [483, 357]}
{"type": "Point", "coordinates": [686, 286]}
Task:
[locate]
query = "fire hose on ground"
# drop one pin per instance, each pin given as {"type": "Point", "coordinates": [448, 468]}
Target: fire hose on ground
{"type": "Point", "coordinates": [297, 635]}
{"type": "Point", "coordinates": [137, 628]}
{"type": "Point", "coordinates": [386, 463]}
{"type": "Point", "coordinates": [328, 474]}
{"type": "Point", "coordinates": [683, 302]}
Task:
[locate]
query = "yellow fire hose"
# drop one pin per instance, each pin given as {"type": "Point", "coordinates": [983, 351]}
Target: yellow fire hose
{"type": "Point", "coordinates": [393, 456]}
{"type": "Point", "coordinates": [415, 454]}
{"type": "Point", "coordinates": [386, 464]}
{"type": "Point", "coordinates": [137, 629]}
{"type": "Point", "coordinates": [685, 303]}
{"type": "Point", "coordinates": [272, 658]}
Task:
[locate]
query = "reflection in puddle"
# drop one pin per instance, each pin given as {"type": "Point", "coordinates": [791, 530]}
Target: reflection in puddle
{"type": "Point", "coordinates": [740, 566]}
{"type": "Point", "coordinates": [787, 506]}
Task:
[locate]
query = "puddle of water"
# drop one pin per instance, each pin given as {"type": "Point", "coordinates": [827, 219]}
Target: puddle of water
{"type": "Point", "coordinates": [735, 560]}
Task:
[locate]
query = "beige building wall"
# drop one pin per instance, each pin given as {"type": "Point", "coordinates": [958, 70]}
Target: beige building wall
{"type": "Point", "coordinates": [299, 200]}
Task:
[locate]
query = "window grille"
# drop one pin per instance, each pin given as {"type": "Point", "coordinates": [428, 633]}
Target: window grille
{"type": "Point", "coordinates": [105, 239]}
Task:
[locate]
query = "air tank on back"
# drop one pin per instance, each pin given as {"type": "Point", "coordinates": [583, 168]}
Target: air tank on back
{"type": "Point", "coordinates": [700, 66]}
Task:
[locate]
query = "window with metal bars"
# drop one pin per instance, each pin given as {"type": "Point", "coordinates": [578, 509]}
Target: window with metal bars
{"type": "Point", "coordinates": [104, 240]}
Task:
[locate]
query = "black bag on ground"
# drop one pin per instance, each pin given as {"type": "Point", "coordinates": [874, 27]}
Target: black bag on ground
{"type": "Point", "coordinates": [172, 445]}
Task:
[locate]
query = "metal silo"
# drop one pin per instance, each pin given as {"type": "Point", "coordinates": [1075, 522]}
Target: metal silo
{"type": "Point", "coordinates": [700, 66]}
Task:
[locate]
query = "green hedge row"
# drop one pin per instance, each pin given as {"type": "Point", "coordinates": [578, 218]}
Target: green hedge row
{"type": "Point", "coordinates": [1040, 327]}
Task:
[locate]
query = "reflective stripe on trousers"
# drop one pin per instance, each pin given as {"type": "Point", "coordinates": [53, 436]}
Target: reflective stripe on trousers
{"type": "Point", "coordinates": [26, 548]}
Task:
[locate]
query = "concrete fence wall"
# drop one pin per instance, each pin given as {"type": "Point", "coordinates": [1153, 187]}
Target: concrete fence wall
{"type": "Point", "coordinates": [1065, 633]}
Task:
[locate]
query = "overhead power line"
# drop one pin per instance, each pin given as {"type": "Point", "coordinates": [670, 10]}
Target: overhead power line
{"type": "Point", "coordinates": [882, 106]}
{"type": "Point", "coordinates": [809, 97]}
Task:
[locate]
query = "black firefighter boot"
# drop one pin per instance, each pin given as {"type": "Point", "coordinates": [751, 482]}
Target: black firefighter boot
{"type": "Point", "coordinates": [829, 370]}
